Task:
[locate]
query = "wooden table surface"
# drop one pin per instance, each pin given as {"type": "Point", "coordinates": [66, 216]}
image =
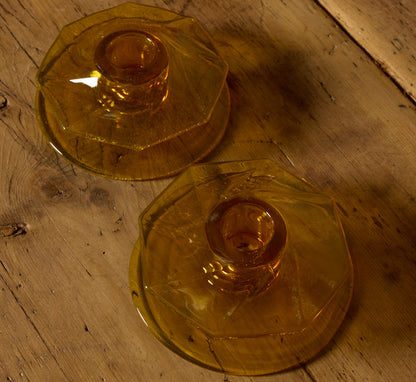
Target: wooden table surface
{"type": "Point", "coordinates": [325, 88]}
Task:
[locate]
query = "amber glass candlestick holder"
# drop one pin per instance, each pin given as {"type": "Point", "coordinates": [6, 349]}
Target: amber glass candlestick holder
{"type": "Point", "coordinates": [133, 92]}
{"type": "Point", "coordinates": [242, 267]}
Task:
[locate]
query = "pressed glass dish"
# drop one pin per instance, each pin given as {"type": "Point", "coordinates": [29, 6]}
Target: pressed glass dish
{"type": "Point", "coordinates": [242, 267]}
{"type": "Point", "coordinates": [133, 92]}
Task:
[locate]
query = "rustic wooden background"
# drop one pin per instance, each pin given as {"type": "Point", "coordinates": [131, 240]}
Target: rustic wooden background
{"type": "Point", "coordinates": [325, 88]}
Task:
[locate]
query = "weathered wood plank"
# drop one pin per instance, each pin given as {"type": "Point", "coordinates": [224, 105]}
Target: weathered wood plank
{"type": "Point", "coordinates": [24, 352]}
{"type": "Point", "coordinates": [330, 115]}
{"type": "Point", "coordinates": [386, 30]}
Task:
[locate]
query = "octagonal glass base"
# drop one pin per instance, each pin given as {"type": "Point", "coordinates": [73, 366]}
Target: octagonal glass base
{"type": "Point", "coordinates": [161, 160]}
{"type": "Point", "coordinates": [133, 92]}
{"type": "Point", "coordinates": [242, 267]}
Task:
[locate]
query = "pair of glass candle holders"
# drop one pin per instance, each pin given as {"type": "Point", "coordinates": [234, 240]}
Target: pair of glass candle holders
{"type": "Point", "coordinates": [240, 267]}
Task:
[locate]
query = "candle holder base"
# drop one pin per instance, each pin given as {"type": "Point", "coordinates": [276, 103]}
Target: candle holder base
{"type": "Point", "coordinates": [242, 267]}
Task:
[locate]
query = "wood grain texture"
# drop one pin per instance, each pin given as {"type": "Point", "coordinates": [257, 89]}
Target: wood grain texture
{"type": "Point", "coordinates": [386, 30]}
{"type": "Point", "coordinates": [328, 115]}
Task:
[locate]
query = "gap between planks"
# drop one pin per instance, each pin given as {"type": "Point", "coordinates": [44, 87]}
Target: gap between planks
{"type": "Point", "coordinates": [379, 64]}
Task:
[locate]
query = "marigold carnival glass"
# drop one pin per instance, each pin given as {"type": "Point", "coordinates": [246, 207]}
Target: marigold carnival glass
{"type": "Point", "coordinates": [133, 92]}
{"type": "Point", "coordinates": [242, 267]}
